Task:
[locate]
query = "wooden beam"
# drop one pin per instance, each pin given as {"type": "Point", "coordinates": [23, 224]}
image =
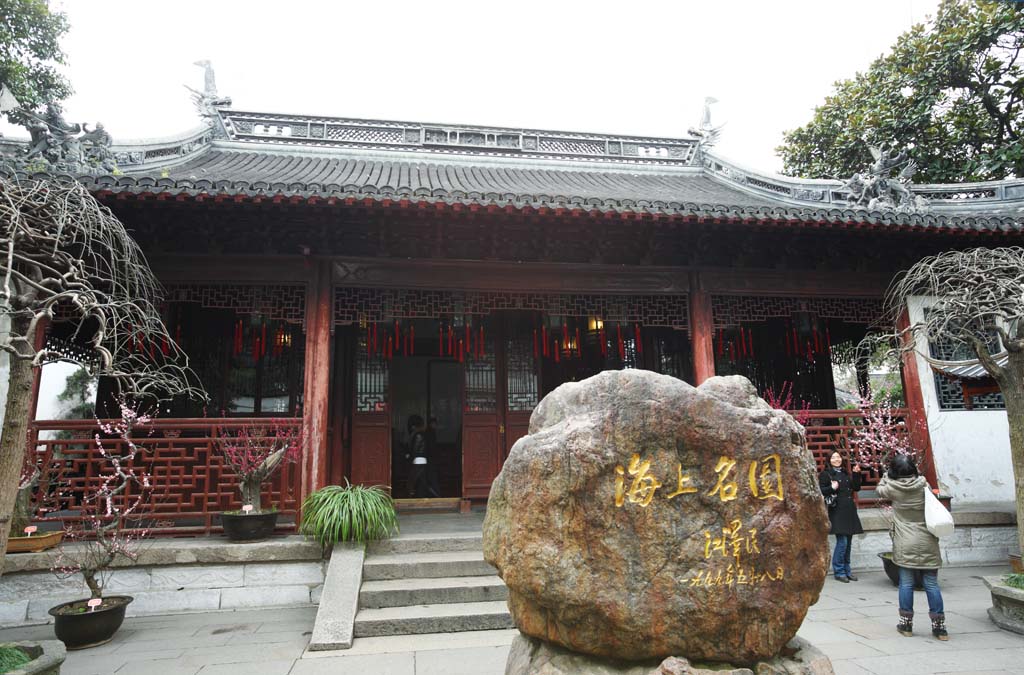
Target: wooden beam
{"type": "Point", "coordinates": [702, 330]}
{"type": "Point", "coordinates": [917, 424]}
{"type": "Point", "coordinates": [317, 376]}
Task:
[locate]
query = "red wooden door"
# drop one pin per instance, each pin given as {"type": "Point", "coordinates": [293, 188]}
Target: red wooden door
{"type": "Point", "coordinates": [371, 420]}
{"type": "Point", "coordinates": [482, 447]}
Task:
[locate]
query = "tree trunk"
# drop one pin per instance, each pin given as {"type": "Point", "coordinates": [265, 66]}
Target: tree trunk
{"type": "Point", "coordinates": [22, 516]}
{"type": "Point", "coordinates": [15, 434]}
{"type": "Point", "coordinates": [251, 493]}
{"type": "Point", "coordinates": [1013, 394]}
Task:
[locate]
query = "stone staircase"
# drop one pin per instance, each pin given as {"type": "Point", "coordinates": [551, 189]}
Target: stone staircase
{"type": "Point", "coordinates": [429, 584]}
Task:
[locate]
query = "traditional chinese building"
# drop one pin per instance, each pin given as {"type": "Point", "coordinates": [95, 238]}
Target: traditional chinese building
{"type": "Point", "coordinates": [356, 273]}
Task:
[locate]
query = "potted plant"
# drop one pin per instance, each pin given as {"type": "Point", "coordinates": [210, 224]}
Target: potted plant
{"type": "Point", "coordinates": [1007, 610]}
{"type": "Point", "coordinates": [101, 536]}
{"type": "Point", "coordinates": [36, 497]}
{"type": "Point", "coordinates": [255, 453]}
{"type": "Point", "coordinates": [32, 658]}
{"type": "Point", "coordinates": [348, 513]}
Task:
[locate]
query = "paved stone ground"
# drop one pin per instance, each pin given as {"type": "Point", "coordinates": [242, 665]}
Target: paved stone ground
{"type": "Point", "coordinates": [854, 623]}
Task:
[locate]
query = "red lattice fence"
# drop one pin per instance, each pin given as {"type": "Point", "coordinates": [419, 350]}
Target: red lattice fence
{"type": "Point", "coordinates": [191, 482]}
{"type": "Point", "coordinates": [831, 430]}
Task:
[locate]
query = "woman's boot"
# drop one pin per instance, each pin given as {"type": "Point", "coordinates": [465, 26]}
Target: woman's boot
{"type": "Point", "coordinates": [906, 624]}
{"type": "Point", "coordinates": [939, 626]}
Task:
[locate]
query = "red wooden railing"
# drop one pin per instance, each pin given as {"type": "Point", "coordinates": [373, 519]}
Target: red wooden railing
{"type": "Point", "coordinates": [191, 484]}
{"type": "Point", "coordinates": [831, 430]}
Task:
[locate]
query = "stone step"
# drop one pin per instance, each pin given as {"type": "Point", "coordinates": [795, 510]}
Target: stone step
{"type": "Point", "coordinates": [426, 565]}
{"type": "Point", "coordinates": [427, 544]}
{"type": "Point", "coordinates": [403, 592]}
{"type": "Point", "coordinates": [443, 618]}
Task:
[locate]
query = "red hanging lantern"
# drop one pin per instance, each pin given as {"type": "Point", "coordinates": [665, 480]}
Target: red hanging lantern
{"type": "Point", "coordinates": [554, 344]}
{"type": "Point", "coordinates": [604, 342]}
{"type": "Point", "coordinates": [721, 344]}
{"type": "Point", "coordinates": [750, 339]}
{"type": "Point", "coordinates": [622, 347]}
{"type": "Point", "coordinates": [544, 338]}
{"type": "Point", "coordinates": [817, 341]}
{"type": "Point", "coordinates": [164, 347]}
{"type": "Point", "coordinates": [462, 354]}
{"type": "Point", "coordinates": [565, 334]}
{"type": "Point", "coordinates": [451, 340]}
{"type": "Point", "coordinates": [639, 342]}
{"type": "Point", "coordinates": [796, 341]}
{"type": "Point", "coordinates": [743, 343]}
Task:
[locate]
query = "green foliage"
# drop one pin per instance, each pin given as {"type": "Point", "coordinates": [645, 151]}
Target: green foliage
{"type": "Point", "coordinates": [348, 513]}
{"type": "Point", "coordinates": [891, 396]}
{"type": "Point", "coordinates": [950, 91]}
{"type": "Point", "coordinates": [1015, 580]}
{"type": "Point", "coordinates": [30, 50]}
{"type": "Point", "coordinates": [12, 658]}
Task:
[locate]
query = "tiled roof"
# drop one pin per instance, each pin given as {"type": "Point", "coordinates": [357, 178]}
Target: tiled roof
{"type": "Point", "coordinates": [689, 192]}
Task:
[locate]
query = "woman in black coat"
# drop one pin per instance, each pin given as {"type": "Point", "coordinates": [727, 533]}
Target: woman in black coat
{"type": "Point", "coordinates": [843, 513]}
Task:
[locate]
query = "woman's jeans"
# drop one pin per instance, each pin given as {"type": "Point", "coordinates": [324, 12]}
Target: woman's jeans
{"type": "Point", "coordinates": [931, 589]}
{"type": "Point", "coordinates": [841, 556]}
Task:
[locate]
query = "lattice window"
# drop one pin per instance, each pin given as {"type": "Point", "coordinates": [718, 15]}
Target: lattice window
{"type": "Point", "coordinates": [571, 146]}
{"type": "Point", "coordinates": [730, 311]}
{"type": "Point", "coordinates": [949, 390]}
{"type": "Point", "coordinates": [521, 373]}
{"type": "Point", "coordinates": [481, 379]}
{"type": "Point", "coordinates": [352, 305]}
{"type": "Point", "coordinates": [283, 302]}
{"type": "Point", "coordinates": [371, 380]}
{"type": "Point", "coordinates": [365, 134]}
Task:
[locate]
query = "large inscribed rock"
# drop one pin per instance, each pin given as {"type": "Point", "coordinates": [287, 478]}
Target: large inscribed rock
{"type": "Point", "coordinates": [642, 518]}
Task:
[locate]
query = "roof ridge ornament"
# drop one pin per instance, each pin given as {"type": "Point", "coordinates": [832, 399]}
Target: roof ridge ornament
{"type": "Point", "coordinates": [878, 190]}
{"type": "Point", "coordinates": [208, 102]}
{"type": "Point", "coordinates": [57, 146]}
{"type": "Point", "coordinates": [706, 133]}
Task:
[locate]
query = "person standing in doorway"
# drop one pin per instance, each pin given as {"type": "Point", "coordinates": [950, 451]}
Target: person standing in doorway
{"type": "Point", "coordinates": [913, 546]}
{"type": "Point", "coordinates": [838, 487]}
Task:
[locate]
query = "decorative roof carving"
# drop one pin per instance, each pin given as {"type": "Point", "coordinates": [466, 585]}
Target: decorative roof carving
{"type": "Point", "coordinates": [57, 146]}
{"type": "Point", "coordinates": [208, 102]}
{"type": "Point", "coordinates": [706, 133]}
{"type": "Point", "coordinates": [877, 190]}
{"type": "Point", "coordinates": [322, 132]}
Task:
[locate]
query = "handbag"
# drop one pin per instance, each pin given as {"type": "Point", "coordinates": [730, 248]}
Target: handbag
{"type": "Point", "coordinates": [937, 519]}
{"type": "Point", "coordinates": [830, 501]}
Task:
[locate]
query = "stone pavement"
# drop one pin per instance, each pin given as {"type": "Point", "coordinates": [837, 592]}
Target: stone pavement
{"type": "Point", "coordinates": [853, 623]}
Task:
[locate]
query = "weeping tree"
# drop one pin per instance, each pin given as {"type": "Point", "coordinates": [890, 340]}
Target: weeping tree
{"type": "Point", "coordinates": [65, 258]}
{"type": "Point", "coordinates": [975, 302]}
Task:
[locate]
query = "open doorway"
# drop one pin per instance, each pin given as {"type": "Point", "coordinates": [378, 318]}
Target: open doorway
{"type": "Point", "coordinates": [428, 388]}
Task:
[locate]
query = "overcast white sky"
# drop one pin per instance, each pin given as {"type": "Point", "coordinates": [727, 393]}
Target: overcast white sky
{"type": "Point", "coordinates": [633, 67]}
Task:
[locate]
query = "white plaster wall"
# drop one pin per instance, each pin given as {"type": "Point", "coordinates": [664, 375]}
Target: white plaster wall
{"type": "Point", "coordinates": [971, 448]}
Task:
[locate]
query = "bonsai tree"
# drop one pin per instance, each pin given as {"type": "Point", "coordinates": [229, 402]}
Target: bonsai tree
{"type": "Point", "coordinates": [67, 259]}
{"type": "Point", "coordinates": [104, 533]}
{"type": "Point", "coordinates": [255, 452]}
{"type": "Point", "coordinates": [976, 295]}
{"type": "Point", "coordinates": [38, 490]}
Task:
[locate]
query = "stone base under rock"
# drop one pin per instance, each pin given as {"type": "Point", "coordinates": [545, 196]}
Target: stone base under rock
{"type": "Point", "coordinates": [530, 656]}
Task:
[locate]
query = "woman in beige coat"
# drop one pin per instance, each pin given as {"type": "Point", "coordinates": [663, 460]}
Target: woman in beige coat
{"type": "Point", "coordinates": [913, 546]}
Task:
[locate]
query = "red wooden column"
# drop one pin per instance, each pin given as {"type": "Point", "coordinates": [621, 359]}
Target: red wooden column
{"type": "Point", "coordinates": [317, 376]}
{"type": "Point", "coordinates": [912, 394]}
{"type": "Point", "coordinates": [702, 331]}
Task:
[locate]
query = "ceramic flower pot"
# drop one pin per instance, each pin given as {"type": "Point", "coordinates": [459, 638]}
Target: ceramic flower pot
{"type": "Point", "coordinates": [35, 543]}
{"type": "Point", "coordinates": [892, 570]}
{"type": "Point", "coordinates": [249, 527]}
{"type": "Point", "coordinates": [78, 626]}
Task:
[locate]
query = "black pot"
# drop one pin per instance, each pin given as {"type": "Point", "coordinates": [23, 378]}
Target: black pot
{"type": "Point", "coordinates": [892, 570]}
{"type": "Point", "coordinates": [89, 628]}
{"type": "Point", "coordinates": [242, 527]}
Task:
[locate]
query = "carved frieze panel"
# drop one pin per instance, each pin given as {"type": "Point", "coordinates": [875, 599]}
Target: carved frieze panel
{"type": "Point", "coordinates": [729, 311]}
{"type": "Point", "coordinates": [280, 302]}
{"type": "Point", "coordinates": [354, 305]}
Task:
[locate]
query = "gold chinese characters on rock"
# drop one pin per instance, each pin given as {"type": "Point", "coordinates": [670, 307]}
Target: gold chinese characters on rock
{"type": "Point", "coordinates": [636, 484]}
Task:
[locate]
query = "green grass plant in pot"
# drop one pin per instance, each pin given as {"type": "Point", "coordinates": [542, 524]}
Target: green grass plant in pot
{"type": "Point", "coordinates": [349, 513]}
